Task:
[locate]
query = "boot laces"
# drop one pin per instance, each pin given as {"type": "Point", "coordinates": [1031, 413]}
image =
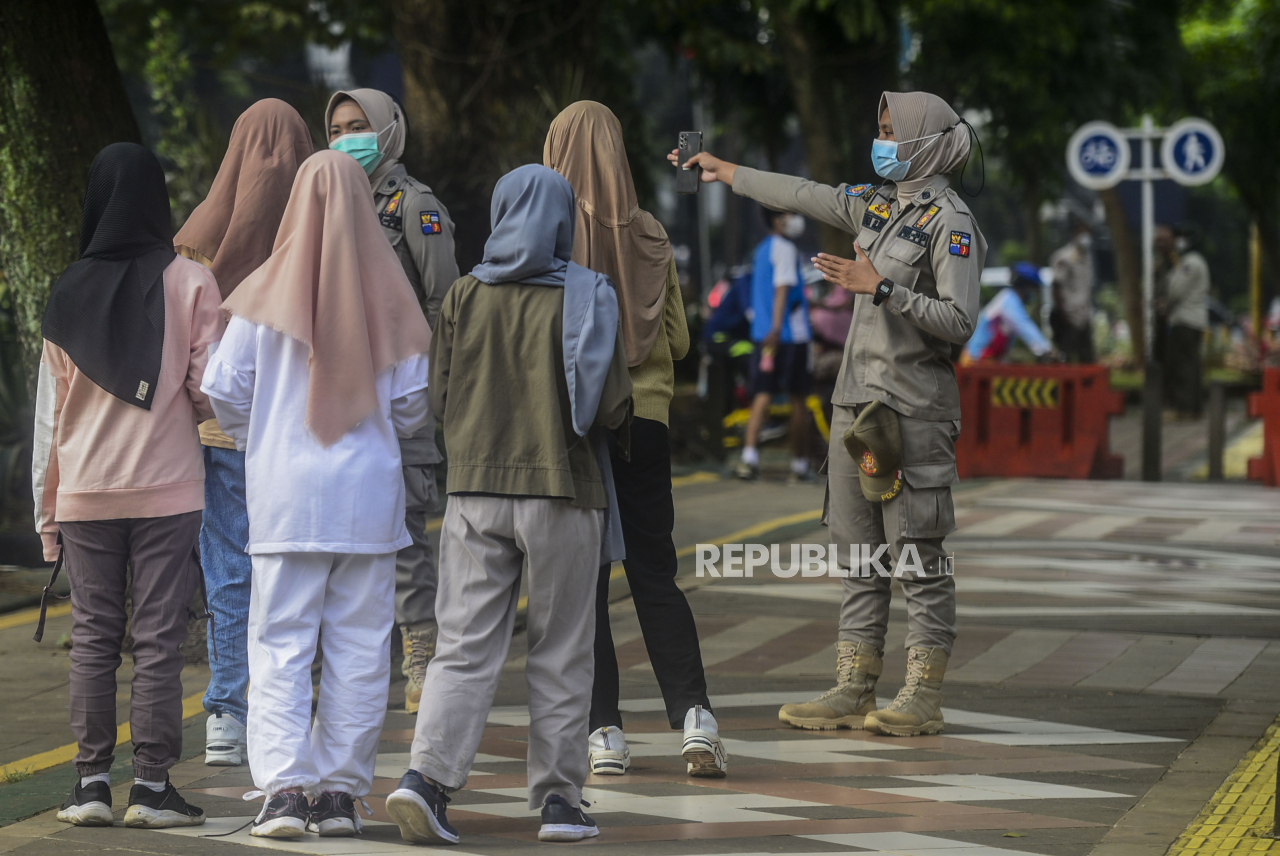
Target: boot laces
{"type": "Point", "coordinates": [844, 672]}
{"type": "Point", "coordinates": [418, 656]}
{"type": "Point", "coordinates": [915, 673]}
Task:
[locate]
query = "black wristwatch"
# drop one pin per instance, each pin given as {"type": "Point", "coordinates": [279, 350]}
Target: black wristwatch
{"type": "Point", "coordinates": [883, 289]}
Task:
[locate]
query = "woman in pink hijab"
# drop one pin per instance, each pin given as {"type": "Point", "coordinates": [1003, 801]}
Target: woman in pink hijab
{"type": "Point", "coordinates": [323, 366]}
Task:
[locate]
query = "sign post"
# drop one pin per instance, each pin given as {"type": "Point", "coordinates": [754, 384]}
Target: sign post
{"type": "Point", "coordinates": [1098, 158]}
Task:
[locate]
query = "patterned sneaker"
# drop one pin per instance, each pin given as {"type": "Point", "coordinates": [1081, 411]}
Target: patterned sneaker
{"type": "Point", "coordinates": [333, 815]}
{"type": "Point", "coordinates": [564, 822]}
{"type": "Point", "coordinates": [283, 816]}
{"type": "Point", "coordinates": [703, 748]}
{"type": "Point", "coordinates": [420, 647]}
{"type": "Point", "coordinates": [88, 806]}
{"type": "Point", "coordinates": [418, 808]}
{"type": "Point", "coordinates": [165, 809]}
{"type": "Point", "coordinates": [223, 741]}
{"type": "Point", "coordinates": [607, 751]}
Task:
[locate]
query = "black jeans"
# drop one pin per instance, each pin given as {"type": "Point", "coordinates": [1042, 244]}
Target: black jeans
{"type": "Point", "coordinates": [1182, 385]}
{"type": "Point", "coordinates": [648, 515]}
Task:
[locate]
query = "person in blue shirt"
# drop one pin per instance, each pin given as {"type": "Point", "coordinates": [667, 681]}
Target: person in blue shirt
{"type": "Point", "coordinates": [1005, 318]}
{"type": "Point", "coordinates": [780, 331]}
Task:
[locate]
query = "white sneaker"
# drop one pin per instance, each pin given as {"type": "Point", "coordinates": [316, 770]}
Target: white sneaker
{"type": "Point", "coordinates": [224, 744]}
{"type": "Point", "coordinates": [607, 751]}
{"type": "Point", "coordinates": [703, 748]}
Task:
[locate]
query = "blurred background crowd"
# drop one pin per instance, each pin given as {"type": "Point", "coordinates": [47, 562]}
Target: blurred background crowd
{"type": "Point", "coordinates": [785, 85]}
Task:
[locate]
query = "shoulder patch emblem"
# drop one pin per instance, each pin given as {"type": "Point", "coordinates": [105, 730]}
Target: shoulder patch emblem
{"type": "Point", "coordinates": [857, 189]}
{"type": "Point", "coordinates": [430, 222]}
{"type": "Point", "coordinates": [960, 244]}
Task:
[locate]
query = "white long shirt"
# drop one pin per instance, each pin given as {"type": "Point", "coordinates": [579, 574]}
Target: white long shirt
{"type": "Point", "coordinates": [302, 497]}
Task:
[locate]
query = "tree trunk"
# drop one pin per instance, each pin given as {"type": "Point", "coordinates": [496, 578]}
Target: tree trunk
{"type": "Point", "coordinates": [836, 87]}
{"type": "Point", "coordinates": [1128, 259]}
{"type": "Point", "coordinates": [61, 101]}
{"type": "Point", "coordinates": [482, 82]}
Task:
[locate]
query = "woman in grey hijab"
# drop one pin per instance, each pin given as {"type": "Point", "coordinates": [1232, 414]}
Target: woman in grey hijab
{"type": "Point", "coordinates": [915, 267]}
{"type": "Point", "coordinates": [528, 371]}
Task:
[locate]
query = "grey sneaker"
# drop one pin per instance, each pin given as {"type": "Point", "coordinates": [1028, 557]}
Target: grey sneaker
{"type": "Point", "coordinates": [846, 705]}
{"type": "Point", "coordinates": [918, 706]}
{"type": "Point", "coordinates": [420, 647]}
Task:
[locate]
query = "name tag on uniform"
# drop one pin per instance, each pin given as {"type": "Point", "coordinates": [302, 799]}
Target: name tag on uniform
{"type": "Point", "coordinates": [960, 244]}
{"type": "Point", "coordinates": [388, 217]}
{"type": "Point", "coordinates": [430, 222]}
{"type": "Point", "coordinates": [914, 235]}
{"type": "Point", "coordinates": [877, 215]}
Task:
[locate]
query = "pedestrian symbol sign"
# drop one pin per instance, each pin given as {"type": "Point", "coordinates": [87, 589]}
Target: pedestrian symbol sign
{"type": "Point", "coordinates": [1098, 155]}
{"type": "Point", "coordinates": [1192, 152]}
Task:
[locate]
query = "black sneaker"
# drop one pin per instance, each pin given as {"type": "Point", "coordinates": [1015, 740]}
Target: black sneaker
{"type": "Point", "coordinates": [333, 815]}
{"type": "Point", "coordinates": [563, 822]}
{"type": "Point", "coordinates": [88, 806]}
{"type": "Point", "coordinates": [284, 816]}
{"type": "Point", "coordinates": [150, 809]}
{"type": "Point", "coordinates": [417, 807]}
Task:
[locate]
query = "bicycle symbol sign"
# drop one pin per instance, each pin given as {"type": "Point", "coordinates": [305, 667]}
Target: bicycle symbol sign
{"type": "Point", "coordinates": [1098, 155]}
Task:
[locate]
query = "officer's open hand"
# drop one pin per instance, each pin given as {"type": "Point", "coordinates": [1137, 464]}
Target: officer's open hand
{"type": "Point", "coordinates": [856, 276]}
{"type": "Point", "coordinates": [713, 169]}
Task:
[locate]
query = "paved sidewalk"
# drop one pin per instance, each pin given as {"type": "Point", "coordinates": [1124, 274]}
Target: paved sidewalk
{"type": "Point", "coordinates": [1117, 661]}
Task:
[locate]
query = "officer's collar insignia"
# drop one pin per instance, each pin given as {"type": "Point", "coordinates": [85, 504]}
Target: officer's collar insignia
{"type": "Point", "coordinates": [926, 195]}
{"type": "Point", "coordinates": [857, 189]}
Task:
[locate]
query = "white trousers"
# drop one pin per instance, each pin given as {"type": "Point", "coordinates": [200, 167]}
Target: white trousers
{"type": "Point", "coordinates": [349, 599]}
{"type": "Point", "coordinates": [487, 542]}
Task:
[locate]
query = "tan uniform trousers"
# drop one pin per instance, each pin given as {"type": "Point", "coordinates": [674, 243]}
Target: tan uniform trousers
{"type": "Point", "coordinates": [921, 516]}
{"type": "Point", "coordinates": [485, 544]}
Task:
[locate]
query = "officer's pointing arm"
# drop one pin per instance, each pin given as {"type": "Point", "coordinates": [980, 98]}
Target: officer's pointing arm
{"type": "Point", "coordinates": [958, 252]}
{"type": "Point", "coordinates": [841, 206]}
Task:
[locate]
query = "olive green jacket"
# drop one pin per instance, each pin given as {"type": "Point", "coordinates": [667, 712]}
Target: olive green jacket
{"type": "Point", "coordinates": [498, 384]}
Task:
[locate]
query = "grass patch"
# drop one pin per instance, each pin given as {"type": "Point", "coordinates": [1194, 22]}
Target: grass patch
{"type": "Point", "coordinates": [12, 777]}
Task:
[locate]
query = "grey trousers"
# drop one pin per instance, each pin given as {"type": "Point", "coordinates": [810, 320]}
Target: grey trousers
{"type": "Point", "coordinates": [416, 564]}
{"type": "Point", "coordinates": [99, 554]}
{"type": "Point", "coordinates": [921, 516]}
{"type": "Point", "coordinates": [486, 542]}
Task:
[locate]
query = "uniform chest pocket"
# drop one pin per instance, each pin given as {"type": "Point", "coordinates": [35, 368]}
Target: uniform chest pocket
{"type": "Point", "coordinates": [901, 262]}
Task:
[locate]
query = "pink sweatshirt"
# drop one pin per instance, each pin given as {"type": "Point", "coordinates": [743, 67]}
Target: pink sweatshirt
{"type": "Point", "coordinates": [98, 458]}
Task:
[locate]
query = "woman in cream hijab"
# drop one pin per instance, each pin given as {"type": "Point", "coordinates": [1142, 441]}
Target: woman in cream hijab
{"type": "Point", "coordinates": [323, 366]}
{"type": "Point", "coordinates": [232, 233]}
{"type": "Point", "coordinates": [915, 268]}
{"type": "Point", "coordinates": [616, 237]}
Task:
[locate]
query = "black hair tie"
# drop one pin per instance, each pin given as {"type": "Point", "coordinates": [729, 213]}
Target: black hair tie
{"type": "Point", "coordinates": [974, 136]}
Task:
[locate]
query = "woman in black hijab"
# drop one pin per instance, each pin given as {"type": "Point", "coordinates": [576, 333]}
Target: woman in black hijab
{"type": "Point", "coordinates": [118, 475]}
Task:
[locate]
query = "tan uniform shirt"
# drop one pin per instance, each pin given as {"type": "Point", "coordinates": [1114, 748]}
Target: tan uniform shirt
{"type": "Point", "coordinates": [898, 353]}
{"type": "Point", "coordinates": [421, 233]}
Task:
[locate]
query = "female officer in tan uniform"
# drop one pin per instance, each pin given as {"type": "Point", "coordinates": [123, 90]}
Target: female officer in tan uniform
{"type": "Point", "coordinates": [369, 125]}
{"type": "Point", "coordinates": [918, 258]}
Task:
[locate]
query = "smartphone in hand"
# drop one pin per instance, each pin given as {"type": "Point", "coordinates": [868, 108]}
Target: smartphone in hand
{"type": "Point", "coordinates": [688, 180]}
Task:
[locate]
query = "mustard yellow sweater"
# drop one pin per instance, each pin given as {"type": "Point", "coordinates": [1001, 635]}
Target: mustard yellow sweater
{"type": "Point", "coordinates": [654, 380]}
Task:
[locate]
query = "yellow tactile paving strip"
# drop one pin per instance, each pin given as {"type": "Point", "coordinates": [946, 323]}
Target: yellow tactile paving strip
{"type": "Point", "coordinates": [1239, 817]}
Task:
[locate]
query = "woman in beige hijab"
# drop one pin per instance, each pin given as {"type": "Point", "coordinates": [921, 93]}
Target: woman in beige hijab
{"type": "Point", "coordinates": [323, 366]}
{"type": "Point", "coordinates": [915, 269]}
{"type": "Point", "coordinates": [616, 237]}
{"type": "Point", "coordinates": [232, 233]}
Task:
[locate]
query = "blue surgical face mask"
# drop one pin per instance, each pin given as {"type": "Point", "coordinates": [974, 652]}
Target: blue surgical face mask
{"type": "Point", "coordinates": [363, 147]}
{"type": "Point", "coordinates": [884, 158]}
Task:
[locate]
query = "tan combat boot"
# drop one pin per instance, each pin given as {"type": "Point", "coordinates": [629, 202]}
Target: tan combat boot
{"type": "Point", "coordinates": [918, 706]}
{"type": "Point", "coordinates": [850, 700]}
{"type": "Point", "coordinates": [420, 647]}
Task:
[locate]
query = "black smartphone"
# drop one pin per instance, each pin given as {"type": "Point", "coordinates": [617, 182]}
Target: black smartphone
{"type": "Point", "coordinates": [688, 180]}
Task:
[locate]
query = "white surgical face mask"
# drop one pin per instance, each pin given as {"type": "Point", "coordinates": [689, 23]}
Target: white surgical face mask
{"type": "Point", "coordinates": [1084, 240]}
{"type": "Point", "coordinates": [1181, 244]}
{"type": "Point", "coordinates": [793, 226]}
